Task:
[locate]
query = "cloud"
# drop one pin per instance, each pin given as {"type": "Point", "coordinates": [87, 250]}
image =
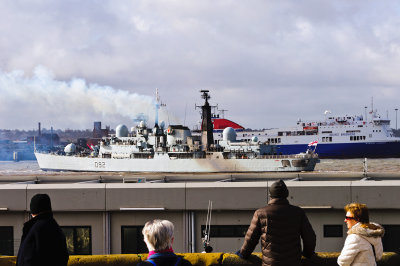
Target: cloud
{"type": "Point", "coordinates": [267, 62]}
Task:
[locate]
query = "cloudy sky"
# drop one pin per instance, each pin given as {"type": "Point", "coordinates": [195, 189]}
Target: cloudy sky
{"type": "Point", "coordinates": [69, 63]}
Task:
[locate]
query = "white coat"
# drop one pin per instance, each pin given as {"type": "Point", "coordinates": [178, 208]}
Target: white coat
{"type": "Point", "coordinates": [357, 248]}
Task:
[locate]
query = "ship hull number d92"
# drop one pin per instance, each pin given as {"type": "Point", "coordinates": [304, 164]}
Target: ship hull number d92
{"type": "Point", "coordinates": [100, 164]}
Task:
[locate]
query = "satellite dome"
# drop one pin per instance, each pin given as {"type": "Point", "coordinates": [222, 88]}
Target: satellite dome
{"type": "Point", "coordinates": [121, 131]}
{"type": "Point", "coordinates": [254, 139]}
{"type": "Point", "coordinates": [70, 148]}
{"type": "Point", "coordinates": [229, 134]}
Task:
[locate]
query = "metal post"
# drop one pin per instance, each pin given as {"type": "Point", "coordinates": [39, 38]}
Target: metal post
{"type": "Point", "coordinates": [365, 164]}
{"type": "Point", "coordinates": [396, 116]}
{"type": "Point", "coordinates": [365, 110]}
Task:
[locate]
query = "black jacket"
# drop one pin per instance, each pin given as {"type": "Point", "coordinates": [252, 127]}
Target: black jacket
{"type": "Point", "coordinates": [280, 227]}
{"type": "Point", "coordinates": [42, 243]}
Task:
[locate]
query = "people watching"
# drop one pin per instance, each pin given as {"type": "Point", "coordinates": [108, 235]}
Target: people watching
{"type": "Point", "coordinates": [363, 245]}
{"type": "Point", "coordinates": [159, 237]}
{"type": "Point", "coordinates": [280, 226]}
{"type": "Point", "coordinates": [43, 242]}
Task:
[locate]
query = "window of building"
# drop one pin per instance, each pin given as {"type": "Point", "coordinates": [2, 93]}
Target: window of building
{"type": "Point", "coordinates": [132, 240]}
{"type": "Point", "coordinates": [226, 230]}
{"type": "Point", "coordinates": [79, 239]}
{"type": "Point", "coordinates": [6, 241]}
{"type": "Point", "coordinates": [391, 238]}
{"type": "Point", "coordinates": [333, 230]}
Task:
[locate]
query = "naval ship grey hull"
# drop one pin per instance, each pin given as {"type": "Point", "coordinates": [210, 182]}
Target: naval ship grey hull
{"type": "Point", "coordinates": [163, 163]}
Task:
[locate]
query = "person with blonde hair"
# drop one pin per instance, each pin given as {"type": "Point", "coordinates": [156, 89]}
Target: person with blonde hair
{"type": "Point", "coordinates": [159, 237]}
{"type": "Point", "coordinates": [363, 245]}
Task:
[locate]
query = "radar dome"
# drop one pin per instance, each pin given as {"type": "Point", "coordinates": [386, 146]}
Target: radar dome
{"type": "Point", "coordinates": [254, 139]}
{"type": "Point", "coordinates": [162, 124]}
{"type": "Point", "coordinates": [121, 131]}
{"type": "Point", "coordinates": [70, 148]}
{"type": "Point", "coordinates": [142, 124]}
{"type": "Point", "coordinates": [229, 134]}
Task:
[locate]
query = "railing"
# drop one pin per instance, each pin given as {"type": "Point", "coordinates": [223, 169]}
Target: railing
{"type": "Point", "coordinates": [200, 259]}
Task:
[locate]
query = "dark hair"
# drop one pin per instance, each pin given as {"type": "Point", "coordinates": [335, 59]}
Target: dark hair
{"type": "Point", "coordinates": [40, 203]}
{"type": "Point", "coordinates": [278, 189]}
{"type": "Point", "coordinates": [359, 211]}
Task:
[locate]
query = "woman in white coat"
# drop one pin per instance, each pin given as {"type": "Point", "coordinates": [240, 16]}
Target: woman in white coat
{"type": "Point", "coordinates": [363, 245]}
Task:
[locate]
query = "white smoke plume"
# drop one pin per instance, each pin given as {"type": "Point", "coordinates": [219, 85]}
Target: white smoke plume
{"type": "Point", "coordinates": [26, 100]}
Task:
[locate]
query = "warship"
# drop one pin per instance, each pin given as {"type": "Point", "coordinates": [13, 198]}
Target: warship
{"type": "Point", "coordinates": [174, 149]}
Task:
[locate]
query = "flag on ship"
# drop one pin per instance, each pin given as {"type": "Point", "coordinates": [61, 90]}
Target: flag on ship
{"type": "Point", "coordinates": [313, 143]}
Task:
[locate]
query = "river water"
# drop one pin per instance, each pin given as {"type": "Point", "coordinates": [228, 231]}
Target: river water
{"type": "Point", "coordinates": [391, 165]}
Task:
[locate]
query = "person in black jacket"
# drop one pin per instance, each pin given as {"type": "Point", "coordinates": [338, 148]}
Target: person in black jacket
{"type": "Point", "coordinates": [159, 236]}
{"type": "Point", "coordinates": [43, 242]}
{"type": "Point", "coordinates": [280, 226]}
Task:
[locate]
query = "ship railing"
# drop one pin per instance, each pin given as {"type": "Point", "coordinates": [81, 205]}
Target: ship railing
{"type": "Point", "coordinates": [291, 156]}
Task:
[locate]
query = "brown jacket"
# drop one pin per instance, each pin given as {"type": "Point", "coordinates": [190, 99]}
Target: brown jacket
{"type": "Point", "coordinates": [280, 226]}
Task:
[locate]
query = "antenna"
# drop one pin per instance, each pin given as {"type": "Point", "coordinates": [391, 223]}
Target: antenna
{"type": "Point", "coordinates": [222, 111]}
{"type": "Point", "coordinates": [184, 121]}
{"type": "Point", "coordinates": [158, 105]}
{"type": "Point", "coordinates": [206, 239]}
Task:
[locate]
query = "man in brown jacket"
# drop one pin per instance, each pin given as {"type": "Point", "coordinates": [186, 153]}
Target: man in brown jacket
{"type": "Point", "coordinates": [280, 226]}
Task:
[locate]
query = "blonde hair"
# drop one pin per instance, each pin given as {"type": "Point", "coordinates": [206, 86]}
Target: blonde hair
{"type": "Point", "coordinates": [359, 211]}
{"type": "Point", "coordinates": [158, 234]}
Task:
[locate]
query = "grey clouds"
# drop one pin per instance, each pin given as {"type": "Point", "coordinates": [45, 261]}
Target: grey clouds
{"type": "Point", "coordinates": [267, 62]}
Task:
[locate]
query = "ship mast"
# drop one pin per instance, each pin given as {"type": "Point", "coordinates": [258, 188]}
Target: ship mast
{"type": "Point", "coordinates": [207, 138]}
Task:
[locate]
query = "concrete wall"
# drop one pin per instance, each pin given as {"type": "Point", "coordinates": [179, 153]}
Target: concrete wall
{"type": "Point", "coordinates": [107, 207]}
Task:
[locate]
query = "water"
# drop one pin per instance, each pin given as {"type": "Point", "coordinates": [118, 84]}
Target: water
{"type": "Point", "coordinates": [391, 165]}
{"type": "Point", "coordinates": [20, 168]}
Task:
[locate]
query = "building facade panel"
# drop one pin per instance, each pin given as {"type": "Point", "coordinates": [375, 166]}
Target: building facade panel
{"type": "Point", "coordinates": [13, 197]}
{"type": "Point", "coordinates": [167, 196]}
{"type": "Point", "coordinates": [71, 197]}
{"type": "Point", "coordinates": [226, 196]}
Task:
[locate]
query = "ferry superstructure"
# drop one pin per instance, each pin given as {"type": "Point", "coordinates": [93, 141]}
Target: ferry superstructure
{"type": "Point", "coordinates": [174, 149]}
{"type": "Point", "coordinates": [337, 136]}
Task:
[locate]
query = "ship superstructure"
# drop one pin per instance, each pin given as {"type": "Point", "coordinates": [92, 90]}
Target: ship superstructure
{"type": "Point", "coordinates": [175, 149]}
{"type": "Point", "coordinates": [349, 136]}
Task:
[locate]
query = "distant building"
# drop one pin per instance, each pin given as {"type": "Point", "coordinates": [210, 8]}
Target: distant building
{"type": "Point", "coordinates": [48, 139]}
{"type": "Point", "coordinates": [98, 132]}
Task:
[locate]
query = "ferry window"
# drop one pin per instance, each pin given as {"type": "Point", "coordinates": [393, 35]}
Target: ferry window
{"type": "Point", "coordinates": [330, 139]}
{"type": "Point", "coordinates": [351, 137]}
{"type": "Point", "coordinates": [79, 239]}
{"type": "Point", "coordinates": [132, 240]}
{"type": "Point", "coordinates": [333, 230]}
{"type": "Point", "coordinates": [390, 240]}
{"type": "Point", "coordinates": [226, 230]}
{"type": "Point", "coordinates": [279, 140]}
{"type": "Point", "coordinates": [6, 241]}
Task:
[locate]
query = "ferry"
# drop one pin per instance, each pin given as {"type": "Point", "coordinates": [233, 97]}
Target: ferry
{"type": "Point", "coordinates": [347, 136]}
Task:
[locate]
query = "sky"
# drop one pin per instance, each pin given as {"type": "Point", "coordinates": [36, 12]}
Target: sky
{"type": "Point", "coordinates": [268, 63]}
